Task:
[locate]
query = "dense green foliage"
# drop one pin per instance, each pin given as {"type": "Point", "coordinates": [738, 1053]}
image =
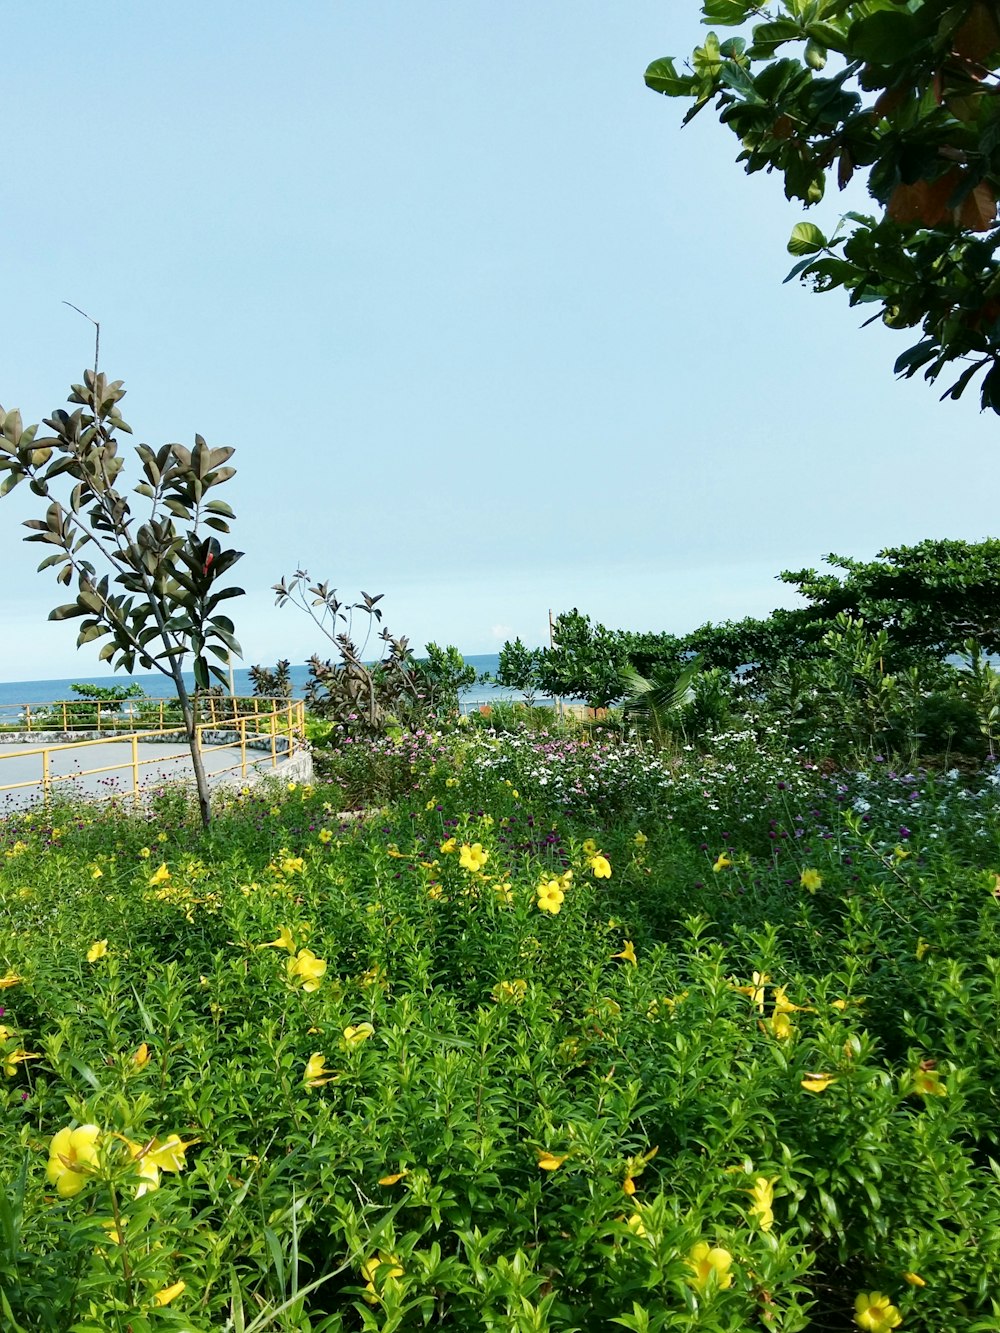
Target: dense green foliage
{"type": "Point", "coordinates": [905, 92]}
{"type": "Point", "coordinates": [566, 1036]}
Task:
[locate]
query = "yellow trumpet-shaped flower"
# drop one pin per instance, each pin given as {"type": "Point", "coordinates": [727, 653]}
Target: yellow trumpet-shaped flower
{"type": "Point", "coordinates": [384, 1266]}
{"type": "Point", "coordinates": [168, 1153]}
{"type": "Point", "coordinates": [811, 880]}
{"type": "Point", "coordinates": [14, 1058]}
{"type": "Point", "coordinates": [601, 866]}
{"type": "Point", "coordinates": [926, 1082]}
{"type": "Point", "coordinates": [704, 1260]}
{"type": "Point", "coordinates": [472, 858]}
{"type": "Point", "coordinates": [722, 862]}
{"type": "Point", "coordinates": [167, 1294]}
{"type": "Point", "coordinates": [72, 1158]}
{"type": "Point", "coordinates": [10, 979]}
{"type": "Point", "coordinates": [550, 897]}
{"type": "Point", "coordinates": [141, 1057]}
{"type": "Point", "coordinates": [316, 1071]}
{"type": "Point", "coordinates": [306, 968]}
{"type": "Point", "coordinates": [549, 1161]}
{"type": "Point", "coordinates": [875, 1313]}
{"type": "Point", "coordinates": [762, 1201]}
{"type": "Point", "coordinates": [355, 1034]}
{"type": "Point", "coordinates": [325, 835]}
{"type": "Point", "coordinates": [627, 953]}
{"type": "Point", "coordinates": [449, 845]}
{"type": "Point", "coordinates": [818, 1082]}
{"type": "Point", "coordinates": [159, 876]}
{"type": "Point", "coordinates": [98, 949]}
{"type": "Point", "coordinates": [283, 940]}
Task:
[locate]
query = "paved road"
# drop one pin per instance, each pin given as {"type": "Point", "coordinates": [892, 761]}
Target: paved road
{"type": "Point", "coordinates": [21, 763]}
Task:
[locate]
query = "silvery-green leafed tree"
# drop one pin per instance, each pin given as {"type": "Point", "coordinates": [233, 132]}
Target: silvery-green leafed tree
{"type": "Point", "coordinates": [149, 585]}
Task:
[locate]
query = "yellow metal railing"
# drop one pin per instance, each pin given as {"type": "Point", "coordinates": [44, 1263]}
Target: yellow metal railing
{"type": "Point", "coordinates": [274, 728]}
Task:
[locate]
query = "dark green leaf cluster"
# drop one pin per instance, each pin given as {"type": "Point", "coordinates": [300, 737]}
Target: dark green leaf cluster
{"type": "Point", "coordinates": [910, 98]}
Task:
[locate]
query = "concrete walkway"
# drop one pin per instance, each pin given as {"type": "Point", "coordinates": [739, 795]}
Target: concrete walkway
{"type": "Point", "coordinates": [159, 763]}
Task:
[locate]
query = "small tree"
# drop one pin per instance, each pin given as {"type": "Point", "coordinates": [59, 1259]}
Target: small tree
{"type": "Point", "coordinates": [517, 669]}
{"type": "Point", "coordinates": [165, 566]}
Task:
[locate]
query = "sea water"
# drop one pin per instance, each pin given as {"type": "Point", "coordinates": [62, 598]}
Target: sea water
{"type": "Point", "coordinates": [15, 694]}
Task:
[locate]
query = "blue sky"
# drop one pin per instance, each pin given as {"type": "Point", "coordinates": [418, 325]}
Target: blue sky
{"type": "Point", "coordinates": [490, 333]}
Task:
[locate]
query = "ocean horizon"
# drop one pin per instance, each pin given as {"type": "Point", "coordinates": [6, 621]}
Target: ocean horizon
{"type": "Point", "coordinates": [156, 686]}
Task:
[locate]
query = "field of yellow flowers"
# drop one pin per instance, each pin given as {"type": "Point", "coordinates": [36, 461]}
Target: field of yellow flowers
{"type": "Point", "coordinates": [502, 1055]}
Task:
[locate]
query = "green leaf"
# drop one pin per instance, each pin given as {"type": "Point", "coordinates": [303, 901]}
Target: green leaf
{"type": "Point", "coordinates": [768, 36]}
{"type": "Point", "coordinates": [887, 37]}
{"type": "Point", "coordinates": [806, 239]}
{"type": "Point", "coordinates": [727, 13]}
{"type": "Point", "coordinates": [662, 77]}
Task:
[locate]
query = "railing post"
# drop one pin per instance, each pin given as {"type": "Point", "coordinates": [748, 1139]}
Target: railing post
{"type": "Point", "coordinates": [46, 780]}
{"type": "Point", "coordinates": [243, 747]}
{"type": "Point", "coordinates": [27, 715]}
{"type": "Point", "coordinates": [274, 740]}
{"type": "Point", "coordinates": [135, 768]}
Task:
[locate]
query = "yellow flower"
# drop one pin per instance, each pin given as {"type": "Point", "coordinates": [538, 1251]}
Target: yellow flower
{"type": "Point", "coordinates": [161, 837]}
{"type": "Point", "coordinates": [510, 991]}
{"type": "Point", "coordinates": [147, 1169]}
{"type": "Point", "coordinates": [308, 967]}
{"type": "Point", "coordinates": [168, 1154]}
{"type": "Point", "coordinates": [394, 1179]}
{"type": "Point", "coordinates": [781, 1025]}
{"type": "Point", "coordinates": [292, 786]}
{"type": "Point", "coordinates": [627, 953]}
{"type": "Point", "coordinates": [316, 1071]}
{"type": "Point", "coordinates": [293, 865]}
{"type": "Point", "coordinates": [640, 840]}
{"type": "Point", "coordinates": [325, 835]}
{"type": "Point", "coordinates": [97, 950]}
{"type": "Point", "coordinates": [914, 1279]}
{"type": "Point", "coordinates": [14, 1058]}
{"type": "Point", "coordinates": [550, 897]}
{"type": "Point", "coordinates": [900, 853]}
{"type": "Point", "coordinates": [449, 845]}
{"type": "Point", "coordinates": [783, 1005]}
{"type": "Point", "coordinates": [811, 880]}
{"type": "Point", "coordinates": [636, 1225]}
{"type": "Point", "coordinates": [515, 793]}
{"type": "Point", "coordinates": [927, 1083]}
{"type": "Point", "coordinates": [451, 782]}
{"type": "Point", "coordinates": [354, 1035]}
{"type": "Point", "coordinates": [96, 872]}
{"type": "Point", "coordinates": [391, 1270]}
{"type": "Point", "coordinates": [504, 892]}
{"type": "Point", "coordinates": [284, 940]}
{"type": "Point", "coordinates": [145, 853]}
{"type": "Point", "coordinates": [159, 876]}
{"type": "Point", "coordinates": [704, 1261]}
{"type": "Point", "coordinates": [165, 1296]}
{"type": "Point", "coordinates": [472, 858]}
{"type": "Point", "coordinates": [430, 804]}
{"type": "Point", "coordinates": [72, 1157]}
{"type": "Point", "coordinates": [756, 991]}
{"type": "Point", "coordinates": [10, 979]}
{"type": "Point", "coordinates": [550, 1161]}
{"type": "Point", "coordinates": [874, 1313]}
{"type": "Point", "coordinates": [589, 847]}
{"type": "Point", "coordinates": [435, 891]}
{"type": "Point", "coordinates": [921, 950]}
{"type": "Point", "coordinates": [818, 1082]}
{"type": "Point", "coordinates": [721, 862]}
{"type": "Point", "coordinates": [601, 866]}
{"type": "Point", "coordinates": [762, 1201]}
{"type": "Point", "coordinates": [141, 1057]}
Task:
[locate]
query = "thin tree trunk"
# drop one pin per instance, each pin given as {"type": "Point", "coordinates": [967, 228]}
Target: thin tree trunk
{"type": "Point", "coordinates": [194, 742]}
